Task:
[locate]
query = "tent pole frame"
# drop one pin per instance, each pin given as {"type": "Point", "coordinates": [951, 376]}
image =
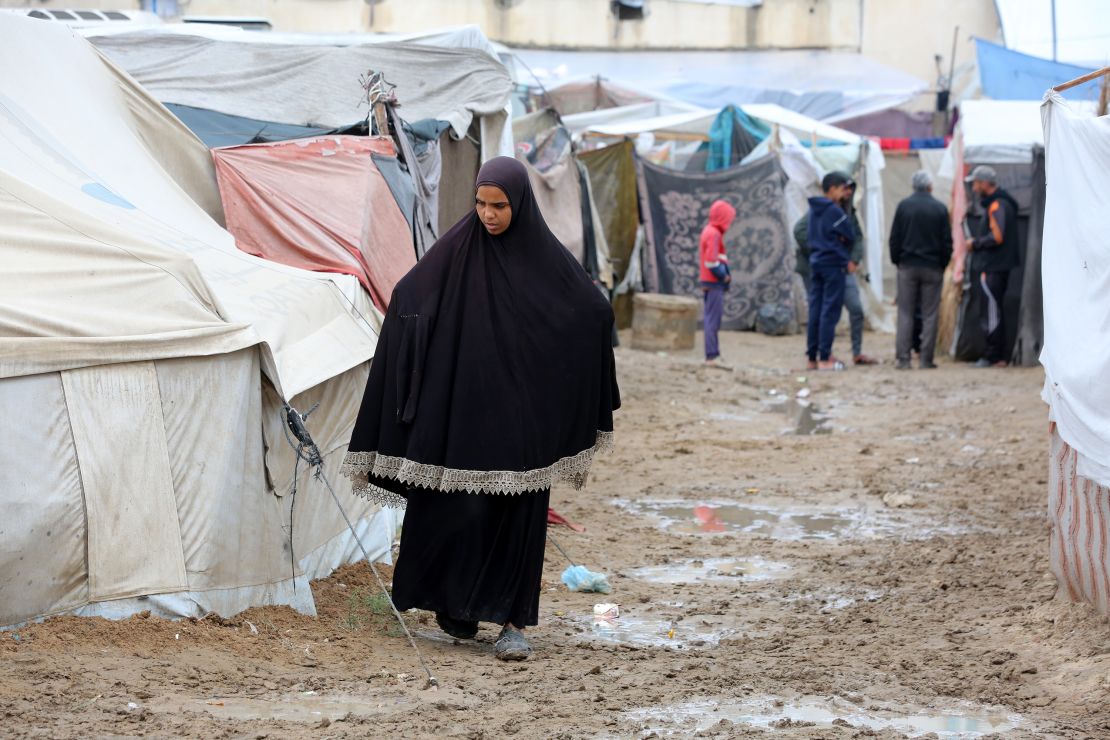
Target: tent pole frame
{"type": "Point", "coordinates": [1080, 80]}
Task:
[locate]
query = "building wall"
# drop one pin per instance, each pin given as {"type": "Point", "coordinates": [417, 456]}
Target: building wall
{"type": "Point", "coordinates": [906, 34]}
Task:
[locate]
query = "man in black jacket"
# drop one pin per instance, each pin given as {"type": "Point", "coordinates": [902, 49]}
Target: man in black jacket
{"type": "Point", "coordinates": [994, 252]}
{"type": "Point", "coordinates": [920, 246]}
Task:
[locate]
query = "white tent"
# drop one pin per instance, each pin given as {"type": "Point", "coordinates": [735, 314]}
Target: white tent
{"type": "Point", "coordinates": [313, 80]}
{"type": "Point", "coordinates": [144, 360]}
{"type": "Point", "coordinates": [1076, 354]}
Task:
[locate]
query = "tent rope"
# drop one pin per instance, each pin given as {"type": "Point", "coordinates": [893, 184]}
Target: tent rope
{"type": "Point", "coordinates": [306, 449]}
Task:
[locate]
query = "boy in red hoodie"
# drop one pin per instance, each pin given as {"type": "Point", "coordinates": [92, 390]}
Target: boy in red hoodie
{"type": "Point", "coordinates": [714, 273]}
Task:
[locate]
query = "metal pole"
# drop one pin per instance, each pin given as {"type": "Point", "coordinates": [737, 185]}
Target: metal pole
{"type": "Point", "coordinates": [1054, 30]}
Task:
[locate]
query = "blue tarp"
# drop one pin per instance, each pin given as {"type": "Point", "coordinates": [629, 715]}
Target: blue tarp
{"type": "Point", "coordinates": [1011, 75]}
{"type": "Point", "coordinates": [220, 129]}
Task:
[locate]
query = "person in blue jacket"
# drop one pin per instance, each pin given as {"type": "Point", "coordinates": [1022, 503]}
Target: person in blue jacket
{"type": "Point", "coordinates": [830, 236]}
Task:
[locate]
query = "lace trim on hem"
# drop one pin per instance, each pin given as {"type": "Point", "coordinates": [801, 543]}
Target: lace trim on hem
{"type": "Point", "coordinates": [377, 495]}
{"type": "Point", "coordinates": [358, 466]}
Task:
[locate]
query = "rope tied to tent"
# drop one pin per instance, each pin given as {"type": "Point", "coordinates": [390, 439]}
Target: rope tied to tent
{"type": "Point", "coordinates": [293, 422]}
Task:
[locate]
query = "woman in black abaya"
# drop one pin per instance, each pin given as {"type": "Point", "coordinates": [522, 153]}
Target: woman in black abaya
{"type": "Point", "coordinates": [493, 378]}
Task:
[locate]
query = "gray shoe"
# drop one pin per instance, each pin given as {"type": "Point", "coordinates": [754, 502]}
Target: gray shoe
{"type": "Point", "coordinates": [928, 366]}
{"type": "Point", "coordinates": [511, 645]}
{"type": "Point", "coordinates": [903, 365]}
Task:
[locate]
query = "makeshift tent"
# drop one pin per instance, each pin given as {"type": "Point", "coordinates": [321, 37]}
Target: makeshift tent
{"type": "Point", "coordinates": [761, 252]}
{"type": "Point", "coordinates": [318, 204]}
{"type": "Point", "coordinates": [612, 172]}
{"type": "Point", "coordinates": [1030, 326]}
{"type": "Point", "coordinates": [147, 359]}
{"type": "Point", "coordinates": [591, 94]}
{"type": "Point", "coordinates": [807, 149]}
{"type": "Point", "coordinates": [1076, 356]}
{"type": "Point", "coordinates": [826, 85]}
{"type": "Point", "coordinates": [312, 81]}
{"type": "Point", "coordinates": [562, 188]}
{"type": "Point", "coordinates": [308, 82]}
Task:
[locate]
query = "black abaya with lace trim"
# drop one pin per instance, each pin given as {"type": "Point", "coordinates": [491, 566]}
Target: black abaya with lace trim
{"type": "Point", "coordinates": [493, 378]}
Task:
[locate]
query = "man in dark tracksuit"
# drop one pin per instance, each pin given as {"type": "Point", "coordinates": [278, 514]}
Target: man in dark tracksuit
{"type": "Point", "coordinates": [920, 247]}
{"type": "Point", "coordinates": [994, 252]}
{"type": "Point", "coordinates": [830, 236]}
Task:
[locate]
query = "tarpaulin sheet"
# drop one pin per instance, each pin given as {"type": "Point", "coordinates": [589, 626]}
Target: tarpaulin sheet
{"type": "Point", "coordinates": [826, 85]}
{"type": "Point", "coordinates": [612, 173]}
{"type": "Point", "coordinates": [318, 204]}
{"type": "Point", "coordinates": [760, 250]}
{"type": "Point", "coordinates": [1076, 281]}
{"type": "Point", "coordinates": [1030, 331]}
{"type": "Point", "coordinates": [221, 129]}
{"type": "Point", "coordinates": [315, 84]}
{"type": "Point", "coordinates": [1005, 74]}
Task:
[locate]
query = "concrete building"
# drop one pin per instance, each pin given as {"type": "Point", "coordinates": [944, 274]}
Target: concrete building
{"type": "Point", "coordinates": [910, 35]}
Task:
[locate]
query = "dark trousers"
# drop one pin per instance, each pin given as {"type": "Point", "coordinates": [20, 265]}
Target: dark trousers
{"type": "Point", "coordinates": [992, 286]}
{"type": "Point", "coordinates": [853, 304]}
{"type": "Point", "coordinates": [919, 290]}
{"type": "Point", "coordinates": [826, 300]}
{"type": "Point", "coordinates": [714, 309]}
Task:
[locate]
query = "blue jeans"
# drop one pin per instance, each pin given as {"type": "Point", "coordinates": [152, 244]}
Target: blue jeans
{"type": "Point", "coordinates": [854, 306]}
{"type": "Point", "coordinates": [714, 309]}
{"type": "Point", "coordinates": [826, 301]}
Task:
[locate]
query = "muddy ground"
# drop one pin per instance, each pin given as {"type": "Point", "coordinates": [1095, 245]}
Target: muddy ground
{"type": "Point", "coordinates": [885, 575]}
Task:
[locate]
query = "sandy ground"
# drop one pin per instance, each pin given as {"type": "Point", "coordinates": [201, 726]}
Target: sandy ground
{"type": "Point", "coordinates": [886, 577]}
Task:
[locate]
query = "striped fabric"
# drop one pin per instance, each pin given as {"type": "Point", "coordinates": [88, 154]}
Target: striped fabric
{"type": "Point", "coordinates": [1079, 511]}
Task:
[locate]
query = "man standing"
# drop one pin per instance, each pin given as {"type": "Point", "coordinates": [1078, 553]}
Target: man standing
{"type": "Point", "coordinates": [920, 247]}
{"type": "Point", "coordinates": [994, 252]}
{"type": "Point", "coordinates": [853, 304]}
{"type": "Point", "coordinates": [830, 235]}
{"type": "Point", "coordinates": [714, 274]}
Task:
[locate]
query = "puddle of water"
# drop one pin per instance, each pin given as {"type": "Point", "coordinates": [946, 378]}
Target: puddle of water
{"type": "Point", "coordinates": [788, 522]}
{"type": "Point", "coordinates": [691, 633]}
{"type": "Point", "coordinates": [834, 601]}
{"type": "Point", "coordinates": [711, 570]}
{"type": "Point", "coordinates": [302, 707]}
{"type": "Point", "coordinates": [968, 721]}
{"type": "Point", "coordinates": [781, 524]}
{"type": "Point", "coordinates": [808, 419]}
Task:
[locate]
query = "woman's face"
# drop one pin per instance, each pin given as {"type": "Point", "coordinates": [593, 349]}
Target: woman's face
{"type": "Point", "coordinates": [493, 208]}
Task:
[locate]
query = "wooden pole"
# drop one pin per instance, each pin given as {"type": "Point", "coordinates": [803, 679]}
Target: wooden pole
{"type": "Point", "coordinates": [1104, 97]}
{"type": "Point", "coordinates": [1080, 80]}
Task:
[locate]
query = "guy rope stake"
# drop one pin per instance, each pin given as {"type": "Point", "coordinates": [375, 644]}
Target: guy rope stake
{"type": "Point", "coordinates": [307, 451]}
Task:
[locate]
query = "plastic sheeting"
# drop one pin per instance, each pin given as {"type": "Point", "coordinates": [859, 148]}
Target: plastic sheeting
{"type": "Point", "coordinates": [315, 85]}
{"type": "Point", "coordinates": [1030, 331]}
{"type": "Point", "coordinates": [1005, 74]}
{"type": "Point", "coordinates": [612, 172]}
{"type": "Point", "coordinates": [318, 204]}
{"type": "Point", "coordinates": [1076, 280]}
{"type": "Point", "coordinates": [826, 85]}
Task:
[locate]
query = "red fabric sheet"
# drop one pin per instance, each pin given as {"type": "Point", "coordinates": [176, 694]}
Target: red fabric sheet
{"type": "Point", "coordinates": [319, 204]}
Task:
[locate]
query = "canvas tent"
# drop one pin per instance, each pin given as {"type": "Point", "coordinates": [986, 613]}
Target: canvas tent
{"type": "Point", "coordinates": [319, 204]}
{"type": "Point", "coordinates": [285, 82]}
{"type": "Point", "coordinates": [1076, 354]}
{"type": "Point", "coordinates": [147, 358]}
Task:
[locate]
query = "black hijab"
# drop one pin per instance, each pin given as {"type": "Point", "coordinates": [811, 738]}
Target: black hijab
{"type": "Point", "coordinates": [494, 369]}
